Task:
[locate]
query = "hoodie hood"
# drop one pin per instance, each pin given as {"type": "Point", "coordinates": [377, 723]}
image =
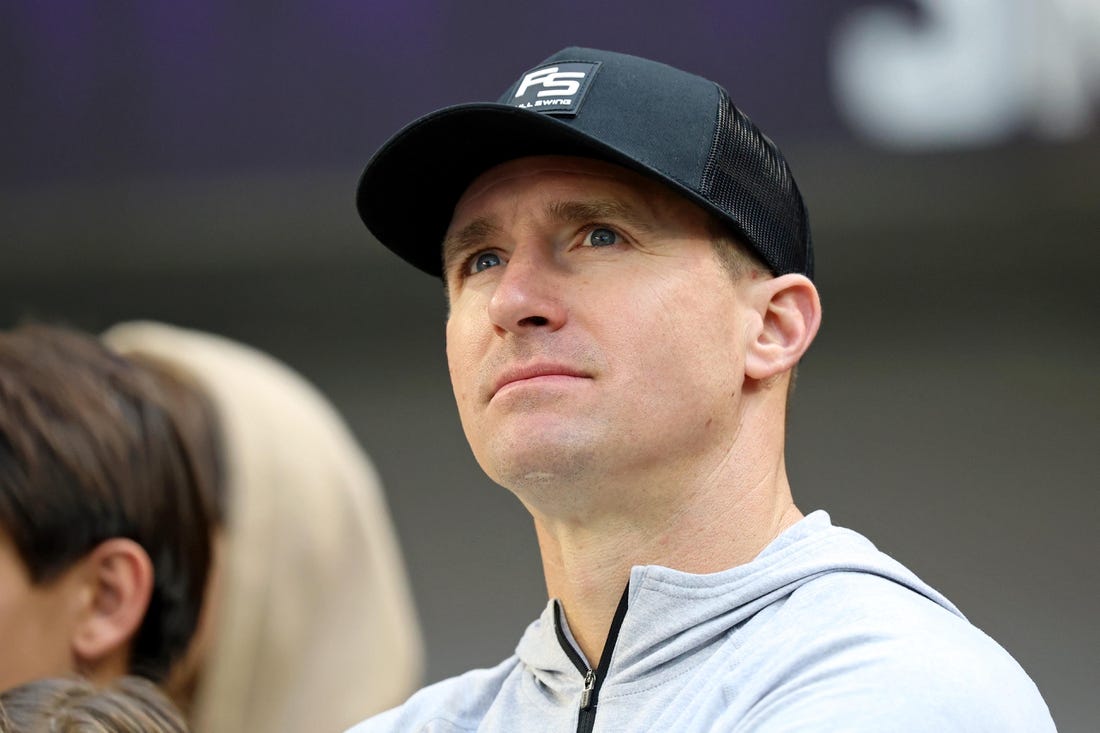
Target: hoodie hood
{"type": "Point", "coordinates": [820, 631]}
{"type": "Point", "coordinates": [674, 616]}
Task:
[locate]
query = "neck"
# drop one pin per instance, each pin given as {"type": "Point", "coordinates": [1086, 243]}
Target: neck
{"type": "Point", "coordinates": [109, 667]}
{"type": "Point", "coordinates": [716, 526]}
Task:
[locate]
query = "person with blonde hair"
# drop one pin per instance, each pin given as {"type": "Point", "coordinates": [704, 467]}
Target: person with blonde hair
{"type": "Point", "coordinates": [128, 704]}
{"type": "Point", "coordinates": [308, 622]}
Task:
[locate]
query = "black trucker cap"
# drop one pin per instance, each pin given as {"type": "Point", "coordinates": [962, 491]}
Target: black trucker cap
{"type": "Point", "coordinates": [667, 124]}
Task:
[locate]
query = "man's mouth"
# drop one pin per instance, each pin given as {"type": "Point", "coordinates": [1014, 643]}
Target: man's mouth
{"type": "Point", "coordinates": [540, 372]}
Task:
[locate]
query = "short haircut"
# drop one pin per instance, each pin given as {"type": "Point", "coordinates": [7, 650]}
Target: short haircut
{"type": "Point", "coordinates": [739, 260]}
{"type": "Point", "coordinates": [89, 451]}
{"type": "Point", "coordinates": [736, 256]}
{"type": "Point", "coordinates": [73, 705]}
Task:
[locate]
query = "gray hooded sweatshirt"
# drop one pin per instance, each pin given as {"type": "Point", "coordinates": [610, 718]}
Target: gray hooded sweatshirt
{"type": "Point", "coordinates": [820, 632]}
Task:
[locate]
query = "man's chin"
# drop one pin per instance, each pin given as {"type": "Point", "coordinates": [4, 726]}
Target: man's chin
{"type": "Point", "coordinates": [530, 466]}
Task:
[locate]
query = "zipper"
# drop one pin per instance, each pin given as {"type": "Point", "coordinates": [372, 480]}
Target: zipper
{"type": "Point", "coordinates": [593, 678]}
{"type": "Point", "coordinates": [586, 693]}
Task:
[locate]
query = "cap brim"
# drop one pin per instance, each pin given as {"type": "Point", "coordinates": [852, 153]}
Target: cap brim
{"type": "Point", "coordinates": [408, 191]}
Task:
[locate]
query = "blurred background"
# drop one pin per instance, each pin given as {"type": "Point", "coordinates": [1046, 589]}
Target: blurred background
{"type": "Point", "coordinates": [196, 163]}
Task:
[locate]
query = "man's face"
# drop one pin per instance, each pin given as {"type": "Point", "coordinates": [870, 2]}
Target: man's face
{"type": "Point", "coordinates": [593, 334]}
{"type": "Point", "coordinates": [35, 623]}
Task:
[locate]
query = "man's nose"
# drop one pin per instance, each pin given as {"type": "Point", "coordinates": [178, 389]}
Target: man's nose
{"type": "Point", "coordinates": [529, 293]}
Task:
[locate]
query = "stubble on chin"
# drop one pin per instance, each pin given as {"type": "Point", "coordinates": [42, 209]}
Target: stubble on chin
{"type": "Point", "coordinates": [548, 481]}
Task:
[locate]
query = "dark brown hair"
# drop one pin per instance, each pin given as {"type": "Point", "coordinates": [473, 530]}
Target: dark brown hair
{"type": "Point", "coordinates": [89, 450]}
{"type": "Point", "coordinates": [72, 705]}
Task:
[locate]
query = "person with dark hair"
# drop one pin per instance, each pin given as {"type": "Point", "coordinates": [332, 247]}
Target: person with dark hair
{"type": "Point", "coordinates": [106, 510]}
{"type": "Point", "coordinates": [629, 272]}
{"type": "Point", "coordinates": [74, 705]}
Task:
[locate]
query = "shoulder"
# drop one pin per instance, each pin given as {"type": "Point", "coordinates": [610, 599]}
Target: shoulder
{"type": "Point", "coordinates": [454, 705]}
{"type": "Point", "coordinates": [882, 617]}
{"type": "Point", "coordinates": [861, 647]}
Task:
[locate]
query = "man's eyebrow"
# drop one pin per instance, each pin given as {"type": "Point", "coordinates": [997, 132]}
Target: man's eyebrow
{"type": "Point", "coordinates": [469, 237]}
{"type": "Point", "coordinates": [597, 210]}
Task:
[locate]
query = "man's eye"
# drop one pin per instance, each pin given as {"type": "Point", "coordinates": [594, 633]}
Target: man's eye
{"type": "Point", "coordinates": [483, 261]}
{"type": "Point", "coordinates": [602, 237]}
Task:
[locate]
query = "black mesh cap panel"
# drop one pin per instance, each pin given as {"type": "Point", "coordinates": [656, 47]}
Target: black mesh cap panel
{"type": "Point", "coordinates": [747, 177]}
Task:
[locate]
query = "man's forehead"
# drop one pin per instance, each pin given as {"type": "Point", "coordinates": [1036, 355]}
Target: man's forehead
{"type": "Point", "coordinates": [523, 169]}
{"type": "Point", "coordinates": [536, 171]}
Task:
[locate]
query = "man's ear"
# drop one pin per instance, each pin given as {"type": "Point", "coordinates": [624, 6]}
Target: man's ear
{"type": "Point", "coordinates": [117, 578]}
{"type": "Point", "coordinates": [790, 313]}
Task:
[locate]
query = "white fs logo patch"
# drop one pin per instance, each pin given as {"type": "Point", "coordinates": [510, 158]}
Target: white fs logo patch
{"type": "Point", "coordinates": [555, 89]}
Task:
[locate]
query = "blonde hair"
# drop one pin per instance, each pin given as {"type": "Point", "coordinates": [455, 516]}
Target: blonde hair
{"type": "Point", "coordinates": [314, 626]}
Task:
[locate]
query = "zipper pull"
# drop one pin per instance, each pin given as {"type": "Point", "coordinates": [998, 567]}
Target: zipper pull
{"type": "Point", "coordinates": [586, 693]}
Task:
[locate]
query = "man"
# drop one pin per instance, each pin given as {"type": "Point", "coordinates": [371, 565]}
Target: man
{"type": "Point", "coordinates": [105, 511]}
{"type": "Point", "coordinates": [629, 267]}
